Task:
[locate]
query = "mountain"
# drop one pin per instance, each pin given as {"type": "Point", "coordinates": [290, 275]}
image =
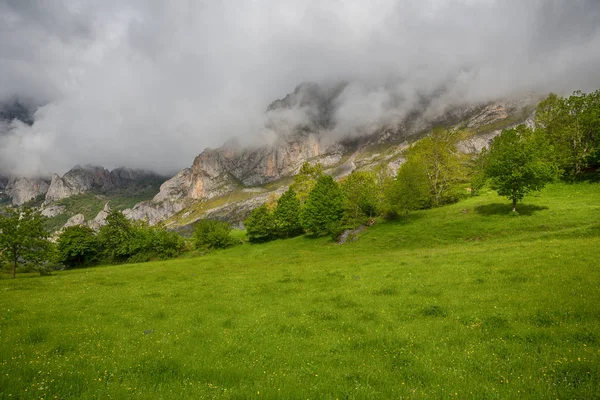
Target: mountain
{"type": "Point", "coordinates": [228, 181]}
{"type": "Point", "coordinates": [83, 179]}
{"type": "Point", "coordinates": [23, 190]}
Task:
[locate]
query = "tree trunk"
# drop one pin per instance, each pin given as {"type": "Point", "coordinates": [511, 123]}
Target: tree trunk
{"type": "Point", "coordinates": [514, 205]}
{"type": "Point", "coordinates": [14, 269]}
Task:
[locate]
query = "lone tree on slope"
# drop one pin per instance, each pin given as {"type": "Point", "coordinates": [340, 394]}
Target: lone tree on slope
{"type": "Point", "coordinates": [519, 162]}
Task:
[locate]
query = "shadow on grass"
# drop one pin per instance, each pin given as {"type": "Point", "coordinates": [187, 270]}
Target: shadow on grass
{"type": "Point", "coordinates": [506, 209]}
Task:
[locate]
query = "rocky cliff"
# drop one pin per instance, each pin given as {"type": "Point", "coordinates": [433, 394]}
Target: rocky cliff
{"type": "Point", "coordinates": [22, 190]}
{"type": "Point", "coordinates": [83, 179]}
{"type": "Point", "coordinates": [216, 173]}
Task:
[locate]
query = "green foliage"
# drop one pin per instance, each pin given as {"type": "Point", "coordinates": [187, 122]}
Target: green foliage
{"type": "Point", "coordinates": [260, 225]}
{"type": "Point", "coordinates": [572, 125]}
{"type": "Point", "coordinates": [360, 196]}
{"type": "Point", "coordinates": [519, 162]}
{"type": "Point", "coordinates": [116, 236]}
{"type": "Point", "coordinates": [324, 207]}
{"type": "Point", "coordinates": [212, 234]}
{"type": "Point", "coordinates": [23, 238]}
{"type": "Point", "coordinates": [410, 190]}
{"type": "Point", "coordinates": [477, 166]}
{"type": "Point", "coordinates": [89, 204]}
{"type": "Point", "coordinates": [78, 246]}
{"type": "Point", "coordinates": [385, 186]}
{"type": "Point", "coordinates": [306, 179]}
{"type": "Point", "coordinates": [153, 243]}
{"type": "Point", "coordinates": [287, 215]}
{"type": "Point", "coordinates": [441, 163]}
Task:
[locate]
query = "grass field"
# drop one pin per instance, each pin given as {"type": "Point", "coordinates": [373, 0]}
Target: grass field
{"type": "Point", "coordinates": [463, 302]}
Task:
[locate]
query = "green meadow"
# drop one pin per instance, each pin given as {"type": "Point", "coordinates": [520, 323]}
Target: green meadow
{"type": "Point", "coordinates": [464, 301]}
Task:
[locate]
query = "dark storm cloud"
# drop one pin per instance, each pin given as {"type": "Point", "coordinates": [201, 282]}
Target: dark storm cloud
{"type": "Point", "coordinates": [151, 83]}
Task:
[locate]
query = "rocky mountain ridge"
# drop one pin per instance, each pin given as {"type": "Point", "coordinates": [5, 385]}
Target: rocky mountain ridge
{"type": "Point", "coordinates": [218, 173]}
{"type": "Point", "coordinates": [227, 182]}
{"type": "Point", "coordinates": [78, 180]}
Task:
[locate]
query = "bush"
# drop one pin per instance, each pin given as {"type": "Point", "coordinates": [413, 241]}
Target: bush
{"type": "Point", "coordinates": [77, 246]}
{"type": "Point", "coordinates": [212, 234]}
{"type": "Point", "coordinates": [153, 242]}
{"type": "Point", "coordinates": [324, 207]}
{"type": "Point", "coordinates": [260, 225]}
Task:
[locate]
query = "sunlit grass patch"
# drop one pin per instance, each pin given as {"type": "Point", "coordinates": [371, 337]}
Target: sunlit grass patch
{"type": "Point", "coordinates": [413, 309]}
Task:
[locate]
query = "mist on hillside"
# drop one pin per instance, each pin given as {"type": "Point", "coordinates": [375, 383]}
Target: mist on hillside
{"type": "Point", "coordinates": [150, 84]}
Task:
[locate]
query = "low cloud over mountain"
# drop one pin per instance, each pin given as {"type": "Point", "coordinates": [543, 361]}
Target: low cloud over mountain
{"type": "Point", "coordinates": [149, 84]}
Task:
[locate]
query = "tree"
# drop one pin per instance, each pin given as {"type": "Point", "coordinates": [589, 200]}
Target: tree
{"type": "Point", "coordinates": [212, 234]}
{"type": "Point", "coordinates": [78, 246]}
{"type": "Point", "coordinates": [572, 125]}
{"type": "Point", "coordinates": [287, 215]}
{"type": "Point", "coordinates": [442, 163]}
{"type": "Point", "coordinates": [518, 162]}
{"type": "Point", "coordinates": [360, 194]}
{"type": "Point", "coordinates": [410, 190]}
{"type": "Point", "coordinates": [260, 225]}
{"type": "Point", "coordinates": [306, 179]}
{"type": "Point", "coordinates": [115, 237]}
{"type": "Point", "coordinates": [324, 207]}
{"type": "Point", "coordinates": [23, 238]}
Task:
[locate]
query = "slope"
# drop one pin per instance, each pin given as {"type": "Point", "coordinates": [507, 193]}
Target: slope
{"type": "Point", "coordinates": [463, 301]}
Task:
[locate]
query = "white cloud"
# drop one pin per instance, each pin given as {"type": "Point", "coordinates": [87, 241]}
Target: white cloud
{"type": "Point", "coordinates": [151, 83]}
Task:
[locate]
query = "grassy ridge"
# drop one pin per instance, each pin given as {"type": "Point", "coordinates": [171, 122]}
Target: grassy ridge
{"type": "Point", "coordinates": [458, 302]}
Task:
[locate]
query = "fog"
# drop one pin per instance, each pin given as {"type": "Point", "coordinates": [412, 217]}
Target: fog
{"type": "Point", "coordinates": [149, 83]}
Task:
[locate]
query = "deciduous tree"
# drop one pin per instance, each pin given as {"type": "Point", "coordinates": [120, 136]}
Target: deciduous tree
{"type": "Point", "coordinates": [324, 207]}
{"type": "Point", "coordinates": [23, 238]}
{"type": "Point", "coordinates": [260, 225]}
{"type": "Point", "coordinates": [519, 162]}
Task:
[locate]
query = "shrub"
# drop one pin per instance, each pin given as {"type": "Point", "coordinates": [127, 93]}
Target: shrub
{"type": "Point", "coordinates": [78, 246]}
{"type": "Point", "coordinates": [212, 234]}
{"type": "Point", "coordinates": [260, 225]}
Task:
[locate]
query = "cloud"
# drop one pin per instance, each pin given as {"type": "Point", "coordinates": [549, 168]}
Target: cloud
{"type": "Point", "coordinates": [148, 83]}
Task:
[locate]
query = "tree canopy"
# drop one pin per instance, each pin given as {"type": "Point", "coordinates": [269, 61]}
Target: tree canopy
{"type": "Point", "coordinates": [78, 246]}
{"type": "Point", "coordinates": [23, 238]}
{"type": "Point", "coordinates": [306, 179]}
{"type": "Point", "coordinates": [287, 215]}
{"type": "Point", "coordinates": [440, 162]}
{"type": "Point", "coordinates": [572, 125]}
{"type": "Point", "coordinates": [519, 162]}
{"type": "Point", "coordinates": [260, 225]}
{"type": "Point", "coordinates": [324, 207]}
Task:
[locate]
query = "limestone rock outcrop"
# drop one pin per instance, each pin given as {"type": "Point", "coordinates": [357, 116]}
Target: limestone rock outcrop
{"type": "Point", "coordinates": [22, 190]}
{"type": "Point", "coordinates": [83, 179]}
{"type": "Point", "coordinates": [75, 220]}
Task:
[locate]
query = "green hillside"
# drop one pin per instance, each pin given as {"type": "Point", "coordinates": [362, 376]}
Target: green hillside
{"type": "Point", "coordinates": [464, 301]}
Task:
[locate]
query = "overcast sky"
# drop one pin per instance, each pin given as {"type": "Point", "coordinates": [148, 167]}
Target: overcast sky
{"type": "Point", "coordinates": [151, 83]}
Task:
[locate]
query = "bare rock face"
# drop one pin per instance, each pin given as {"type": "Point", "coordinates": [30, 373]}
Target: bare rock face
{"type": "Point", "coordinates": [100, 219]}
{"type": "Point", "coordinates": [22, 190]}
{"type": "Point", "coordinates": [75, 220]}
{"type": "Point", "coordinates": [220, 171]}
{"type": "Point", "coordinates": [303, 128]}
{"type": "Point", "coordinates": [92, 178]}
{"type": "Point", "coordinates": [78, 180]}
{"type": "Point", "coordinates": [153, 213]}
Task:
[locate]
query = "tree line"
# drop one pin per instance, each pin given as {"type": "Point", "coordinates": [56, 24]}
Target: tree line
{"type": "Point", "coordinates": [24, 242]}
